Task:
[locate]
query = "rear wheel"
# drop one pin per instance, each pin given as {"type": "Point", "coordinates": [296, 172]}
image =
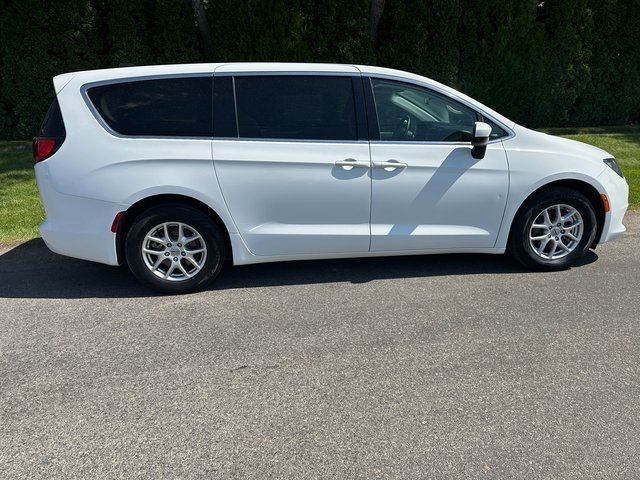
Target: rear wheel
{"type": "Point", "coordinates": [174, 249]}
{"type": "Point", "coordinates": [553, 230]}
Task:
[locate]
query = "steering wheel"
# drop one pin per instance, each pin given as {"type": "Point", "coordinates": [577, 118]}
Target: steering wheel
{"type": "Point", "coordinates": [402, 129]}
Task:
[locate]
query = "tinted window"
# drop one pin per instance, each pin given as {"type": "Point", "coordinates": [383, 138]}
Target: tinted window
{"type": "Point", "coordinates": [296, 107]}
{"type": "Point", "coordinates": [412, 113]}
{"type": "Point", "coordinates": [53, 125]}
{"type": "Point", "coordinates": [496, 131]}
{"type": "Point", "coordinates": [224, 109]}
{"type": "Point", "coordinates": [163, 107]}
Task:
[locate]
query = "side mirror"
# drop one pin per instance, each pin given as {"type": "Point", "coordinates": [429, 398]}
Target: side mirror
{"type": "Point", "coordinates": [479, 140]}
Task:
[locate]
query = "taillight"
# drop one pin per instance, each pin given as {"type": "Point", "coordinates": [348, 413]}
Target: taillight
{"type": "Point", "coordinates": [44, 147]}
{"type": "Point", "coordinates": [51, 135]}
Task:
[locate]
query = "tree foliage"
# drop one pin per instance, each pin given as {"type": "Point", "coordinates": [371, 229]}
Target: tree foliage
{"type": "Point", "coordinates": [568, 63]}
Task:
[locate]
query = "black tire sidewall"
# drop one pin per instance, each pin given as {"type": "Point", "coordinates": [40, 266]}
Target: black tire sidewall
{"type": "Point", "coordinates": [211, 235]}
{"type": "Point", "coordinates": [520, 246]}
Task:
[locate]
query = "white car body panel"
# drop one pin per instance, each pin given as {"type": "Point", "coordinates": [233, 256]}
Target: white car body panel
{"type": "Point", "coordinates": [537, 159]}
{"type": "Point", "coordinates": [287, 200]}
{"type": "Point", "coordinates": [77, 226]}
{"type": "Point", "coordinates": [444, 198]}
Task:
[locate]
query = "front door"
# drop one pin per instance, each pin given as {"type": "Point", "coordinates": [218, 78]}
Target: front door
{"type": "Point", "coordinates": [295, 174]}
{"type": "Point", "coordinates": [428, 192]}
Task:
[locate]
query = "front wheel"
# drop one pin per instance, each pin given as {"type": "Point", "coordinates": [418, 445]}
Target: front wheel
{"type": "Point", "coordinates": [553, 230]}
{"type": "Point", "coordinates": [174, 249]}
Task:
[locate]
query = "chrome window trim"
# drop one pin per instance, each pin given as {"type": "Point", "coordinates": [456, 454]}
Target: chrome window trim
{"type": "Point", "coordinates": [287, 73]}
{"type": "Point", "coordinates": [424, 142]}
{"type": "Point", "coordinates": [290, 140]}
{"type": "Point", "coordinates": [94, 111]}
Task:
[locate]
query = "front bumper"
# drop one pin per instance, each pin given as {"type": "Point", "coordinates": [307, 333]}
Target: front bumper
{"type": "Point", "coordinates": [617, 191]}
{"type": "Point", "coordinates": [75, 226]}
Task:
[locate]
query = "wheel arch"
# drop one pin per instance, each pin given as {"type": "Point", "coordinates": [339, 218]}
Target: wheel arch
{"type": "Point", "coordinates": [143, 204]}
{"type": "Point", "coordinates": [587, 189]}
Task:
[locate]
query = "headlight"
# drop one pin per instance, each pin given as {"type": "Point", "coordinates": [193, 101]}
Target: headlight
{"type": "Point", "coordinates": [613, 165]}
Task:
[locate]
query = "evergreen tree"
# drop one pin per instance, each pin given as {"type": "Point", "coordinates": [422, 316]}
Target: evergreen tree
{"type": "Point", "coordinates": [39, 40]}
{"type": "Point", "coordinates": [421, 37]}
{"type": "Point", "coordinates": [572, 62]}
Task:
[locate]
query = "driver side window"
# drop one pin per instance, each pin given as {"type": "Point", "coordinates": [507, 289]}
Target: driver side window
{"type": "Point", "coordinates": [412, 113]}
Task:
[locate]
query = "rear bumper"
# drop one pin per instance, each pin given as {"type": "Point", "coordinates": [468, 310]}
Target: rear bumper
{"type": "Point", "coordinates": [617, 191]}
{"type": "Point", "coordinates": [77, 227]}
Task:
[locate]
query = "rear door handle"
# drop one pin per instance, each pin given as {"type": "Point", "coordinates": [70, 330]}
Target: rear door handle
{"type": "Point", "coordinates": [349, 163]}
{"type": "Point", "coordinates": [390, 165]}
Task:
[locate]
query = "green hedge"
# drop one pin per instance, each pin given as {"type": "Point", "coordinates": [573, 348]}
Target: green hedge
{"type": "Point", "coordinates": [570, 63]}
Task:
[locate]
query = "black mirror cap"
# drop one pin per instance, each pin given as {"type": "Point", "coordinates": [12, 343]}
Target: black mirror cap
{"type": "Point", "coordinates": [478, 151]}
{"type": "Point", "coordinates": [479, 146]}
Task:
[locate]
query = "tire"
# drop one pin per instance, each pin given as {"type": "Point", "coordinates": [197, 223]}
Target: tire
{"type": "Point", "coordinates": [526, 241]}
{"type": "Point", "coordinates": [190, 265]}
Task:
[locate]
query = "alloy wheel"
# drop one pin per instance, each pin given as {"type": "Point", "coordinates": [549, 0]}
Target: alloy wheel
{"type": "Point", "coordinates": [556, 231]}
{"type": "Point", "coordinates": [174, 251]}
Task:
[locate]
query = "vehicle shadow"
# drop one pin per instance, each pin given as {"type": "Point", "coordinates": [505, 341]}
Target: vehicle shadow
{"type": "Point", "coordinates": [30, 270]}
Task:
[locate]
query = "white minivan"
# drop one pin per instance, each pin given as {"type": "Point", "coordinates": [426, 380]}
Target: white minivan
{"type": "Point", "coordinates": [175, 169]}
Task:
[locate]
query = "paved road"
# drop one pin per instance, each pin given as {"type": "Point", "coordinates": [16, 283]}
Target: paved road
{"type": "Point", "coordinates": [415, 367]}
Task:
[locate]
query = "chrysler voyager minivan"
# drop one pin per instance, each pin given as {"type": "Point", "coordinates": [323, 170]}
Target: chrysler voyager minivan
{"type": "Point", "coordinates": [174, 169]}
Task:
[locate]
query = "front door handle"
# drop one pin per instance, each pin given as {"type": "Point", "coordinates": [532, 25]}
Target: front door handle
{"type": "Point", "coordinates": [349, 163]}
{"type": "Point", "coordinates": [390, 165]}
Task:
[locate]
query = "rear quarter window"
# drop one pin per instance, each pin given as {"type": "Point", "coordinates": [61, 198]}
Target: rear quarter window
{"type": "Point", "coordinates": [160, 107]}
{"type": "Point", "coordinates": [53, 125]}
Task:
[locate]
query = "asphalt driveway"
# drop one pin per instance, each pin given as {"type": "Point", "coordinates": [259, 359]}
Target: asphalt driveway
{"type": "Point", "coordinates": [414, 367]}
